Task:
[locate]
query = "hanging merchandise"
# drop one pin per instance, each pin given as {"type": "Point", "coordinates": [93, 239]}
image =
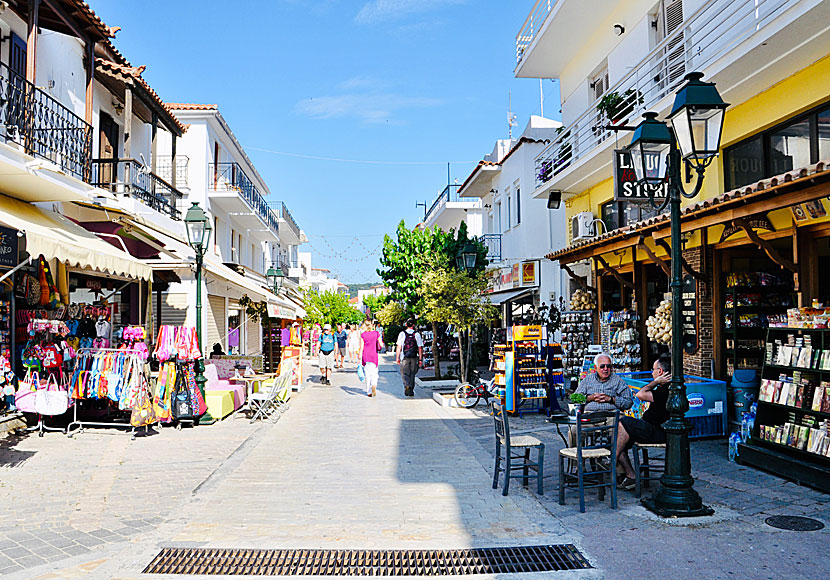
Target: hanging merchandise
{"type": "Point", "coordinates": [165, 344]}
{"type": "Point", "coordinates": [51, 399]}
{"type": "Point", "coordinates": [25, 397]}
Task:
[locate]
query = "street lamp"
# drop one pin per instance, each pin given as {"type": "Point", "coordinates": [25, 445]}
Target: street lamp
{"type": "Point", "coordinates": [697, 122]}
{"type": "Point", "coordinates": [275, 278]}
{"type": "Point", "coordinates": [198, 229]}
{"type": "Point", "coordinates": [466, 258]}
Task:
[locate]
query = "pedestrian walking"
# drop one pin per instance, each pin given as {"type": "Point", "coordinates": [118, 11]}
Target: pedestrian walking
{"type": "Point", "coordinates": [370, 343]}
{"type": "Point", "coordinates": [409, 354]}
{"type": "Point", "coordinates": [342, 336]}
{"type": "Point", "coordinates": [328, 344]}
{"type": "Point", "coordinates": [354, 345]}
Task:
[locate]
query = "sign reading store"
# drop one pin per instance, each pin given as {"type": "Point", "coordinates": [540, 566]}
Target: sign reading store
{"type": "Point", "coordinates": [626, 187]}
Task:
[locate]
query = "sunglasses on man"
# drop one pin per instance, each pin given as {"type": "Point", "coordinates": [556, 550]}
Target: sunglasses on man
{"type": "Point", "coordinates": [606, 366]}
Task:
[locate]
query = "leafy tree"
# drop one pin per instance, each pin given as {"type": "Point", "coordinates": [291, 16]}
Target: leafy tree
{"type": "Point", "coordinates": [392, 314]}
{"type": "Point", "coordinates": [329, 308]}
{"type": "Point", "coordinates": [456, 298]}
{"type": "Point", "coordinates": [374, 303]}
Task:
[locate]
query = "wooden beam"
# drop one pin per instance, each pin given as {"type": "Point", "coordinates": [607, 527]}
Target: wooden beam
{"type": "Point", "coordinates": [154, 143]}
{"type": "Point", "coordinates": [69, 20]}
{"type": "Point", "coordinates": [580, 254]}
{"type": "Point", "coordinates": [686, 267]}
{"type": "Point", "coordinates": [582, 281]}
{"type": "Point", "coordinates": [128, 120]}
{"type": "Point", "coordinates": [766, 246]}
{"type": "Point", "coordinates": [31, 42]}
{"type": "Point", "coordinates": [653, 257]}
{"type": "Point", "coordinates": [173, 161]}
{"type": "Point", "coordinates": [614, 273]}
{"type": "Point", "coordinates": [90, 82]}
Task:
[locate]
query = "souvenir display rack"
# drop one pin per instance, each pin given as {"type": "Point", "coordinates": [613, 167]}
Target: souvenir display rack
{"type": "Point", "coordinates": [791, 431]}
{"type": "Point", "coordinates": [619, 338]}
{"type": "Point", "coordinates": [500, 379]}
{"type": "Point", "coordinates": [525, 371]}
{"type": "Point", "coordinates": [429, 360]}
{"type": "Point", "coordinates": [577, 335]}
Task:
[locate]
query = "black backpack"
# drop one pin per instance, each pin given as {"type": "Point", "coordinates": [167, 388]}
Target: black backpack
{"type": "Point", "coordinates": [410, 345]}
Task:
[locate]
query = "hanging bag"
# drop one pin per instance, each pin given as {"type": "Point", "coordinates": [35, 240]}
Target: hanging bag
{"type": "Point", "coordinates": [24, 399]}
{"type": "Point", "coordinates": [144, 413]}
{"type": "Point", "coordinates": [361, 373]}
{"type": "Point", "coordinates": [182, 403]}
{"type": "Point", "coordinates": [51, 399]}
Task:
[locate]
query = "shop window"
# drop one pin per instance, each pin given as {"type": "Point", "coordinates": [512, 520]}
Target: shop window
{"type": "Point", "coordinates": [790, 147]}
{"type": "Point", "coordinates": [744, 163]}
{"type": "Point", "coordinates": [610, 215]}
{"type": "Point", "coordinates": [823, 123]}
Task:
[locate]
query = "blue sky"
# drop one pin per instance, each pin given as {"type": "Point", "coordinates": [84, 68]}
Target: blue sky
{"type": "Point", "coordinates": [423, 82]}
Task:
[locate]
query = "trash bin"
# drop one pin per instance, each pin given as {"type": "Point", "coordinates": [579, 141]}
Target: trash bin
{"type": "Point", "coordinates": [742, 392]}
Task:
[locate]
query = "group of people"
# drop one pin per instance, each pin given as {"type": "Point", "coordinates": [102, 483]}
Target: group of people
{"type": "Point", "coordinates": [361, 346]}
{"type": "Point", "coordinates": [606, 391]}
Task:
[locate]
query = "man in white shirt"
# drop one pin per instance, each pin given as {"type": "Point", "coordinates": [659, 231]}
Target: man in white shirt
{"type": "Point", "coordinates": [409, 354]}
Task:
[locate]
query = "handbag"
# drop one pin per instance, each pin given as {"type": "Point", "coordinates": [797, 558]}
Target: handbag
{"type": "Point", "coordinates": [145, 412]}
{"type": "Point", "coordinates": [51, 399]}
{"type": "Point", "coordinates": [361, 373]}
{"type": "Point", "coordinates": [24, 398]}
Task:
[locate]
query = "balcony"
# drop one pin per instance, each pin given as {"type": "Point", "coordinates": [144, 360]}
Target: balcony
{"type": "Point", "coordinates": [493, 244]}
{"type": "Point", "coordinates": [42, 127]}
{"type": "Point", "coordinates": [449, 209]}
{"type": "Point", "coordinates": [164, 168]}
{"type": "Point", "coordinates": [238, 195]}
{"type": "Point", "coordinates": [719, 39]}
{"type": "Point", "coordinates": [130, 177]}
{"type": "Point", "coordinates": [289, 230]}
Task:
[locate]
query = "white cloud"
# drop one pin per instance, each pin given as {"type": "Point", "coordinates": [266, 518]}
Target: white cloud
{"type": "Point", "coordinates": [369, 108]}
{"type": "Point", "coordinates": [386, 10]}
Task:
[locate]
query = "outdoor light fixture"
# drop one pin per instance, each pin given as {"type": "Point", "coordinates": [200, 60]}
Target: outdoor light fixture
{"type": "Point", "coordinates": [554, 199]}
{"type": "Point", "coordinates": [466, 257]}
{"type": "Point", "coordinates": [619, 29]}
{"type": "Point", "coordinates": [657, 154]}
{"type": "Point", "coordinates": [275, 278]}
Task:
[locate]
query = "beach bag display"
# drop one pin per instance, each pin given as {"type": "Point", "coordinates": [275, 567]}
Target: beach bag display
{"type": "Point", "coordinates": [51, 399]}
{"type": "Point", "coordinates": [144, 413]}
{"type": "Point", "coordinates": [182, 402]}
{"type": "Point", "coordinates": [24, 398]}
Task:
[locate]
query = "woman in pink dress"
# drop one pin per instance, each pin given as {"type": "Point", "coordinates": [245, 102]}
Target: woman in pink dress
{"type": "Point", "coordinates": [370, 343]}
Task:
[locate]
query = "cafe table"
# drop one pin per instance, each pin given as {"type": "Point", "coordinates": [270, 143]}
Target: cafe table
{"type": "Point", "coordinates": [252, 383]}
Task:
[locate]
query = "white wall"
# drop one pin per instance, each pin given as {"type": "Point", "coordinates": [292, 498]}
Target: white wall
{"type": "Point", "coordinates": [60, 59]}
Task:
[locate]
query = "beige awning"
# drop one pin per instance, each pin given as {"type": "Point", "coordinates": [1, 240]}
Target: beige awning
{"type": "Point", "coordinates": [55, 236]}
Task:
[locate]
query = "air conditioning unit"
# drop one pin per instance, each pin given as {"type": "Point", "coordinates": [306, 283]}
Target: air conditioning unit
{"type": "Point", "coordinates": [581, 226]}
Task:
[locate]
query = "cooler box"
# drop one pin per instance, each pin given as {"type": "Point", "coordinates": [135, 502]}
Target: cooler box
{"type": "Point", "coordinates": [707, 402]}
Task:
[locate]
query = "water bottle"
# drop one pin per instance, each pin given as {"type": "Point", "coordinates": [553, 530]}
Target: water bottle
{"type": "Point", "coordinates": [734, 439]}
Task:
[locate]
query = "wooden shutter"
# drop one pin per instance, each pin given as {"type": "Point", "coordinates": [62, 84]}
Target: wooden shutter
{"type": "Point", "coordinates": [253, 340]}
{"type": "Point", "coordinates": [173, 310]}
{"type": "Point", "coordinates": [217, 321]}
{"type": "Point", "coordinates": [672, 20]}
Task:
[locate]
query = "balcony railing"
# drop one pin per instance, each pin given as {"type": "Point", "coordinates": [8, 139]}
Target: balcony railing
{"type": "Point", "coordinates": [42, 126]}
{"type": "Point", "coordinates": [532, 25]}
{"type": "Point", "coordinates": [714, 29]}
{"type": "Point", "coordinates": [282, 212]}
{"type": "Point", "coordinates": [231, 177]}
{"type": "Point", "coordinates": [164, 168]}
{"type": "Point", "coordinates": [493, 243]}
{"type": "Point", "coordinates": [449, 194]}
{"type": "Point", "coordinates": [133, 178]}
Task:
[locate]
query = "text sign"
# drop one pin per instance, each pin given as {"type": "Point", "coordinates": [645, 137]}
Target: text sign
{"type": "Point", "coordinates": [688, 314]}
{"type": "Point", "coordinates": [8, 247]}
{"type": "Point", "coordinates": [758, 222]}
{"type": "Point", "coordinates": [626, 187]}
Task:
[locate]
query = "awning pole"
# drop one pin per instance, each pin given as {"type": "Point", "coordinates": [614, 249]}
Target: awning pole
{"type": "Point", "coordinates": [26, 262]}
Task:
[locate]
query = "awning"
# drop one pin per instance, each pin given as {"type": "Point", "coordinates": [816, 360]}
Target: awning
{"type": "Point", "coordinates": [502, 297]}
{"type": "Point", "coordinates": [55, 236]}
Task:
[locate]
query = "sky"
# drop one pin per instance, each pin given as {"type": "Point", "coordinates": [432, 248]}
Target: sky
{"type": "Point", "coordinates": [349, 109]}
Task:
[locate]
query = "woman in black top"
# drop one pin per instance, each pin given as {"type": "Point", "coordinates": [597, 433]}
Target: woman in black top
{"type": "Point", "coordinates": [649, 429]}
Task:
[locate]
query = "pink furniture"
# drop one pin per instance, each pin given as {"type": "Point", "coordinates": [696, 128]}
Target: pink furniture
{"type": "Point", "coordinates": [214, 383]}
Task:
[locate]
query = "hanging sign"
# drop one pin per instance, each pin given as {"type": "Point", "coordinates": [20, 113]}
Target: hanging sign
{"type": "Point", "coordinates": [532, 332]}
{"type": "Point", "coordinates": [516, 275]}
{"type": "Point", "coordinates": [8, 247]}
{"type": "Point", "coordinates": [530, 274]}
{"type": "Point", "coordinates": [688, 314]}
{"type": "Point", "coordinates": [626, 187]}
{"type": "Point", "coordinates": [758, 222]}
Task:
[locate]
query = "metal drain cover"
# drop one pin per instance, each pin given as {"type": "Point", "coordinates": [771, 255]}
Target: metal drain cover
{"type": "Point", "coordinates": [226, 562]}
{"type": "Point", "coordinates": [794, 523]}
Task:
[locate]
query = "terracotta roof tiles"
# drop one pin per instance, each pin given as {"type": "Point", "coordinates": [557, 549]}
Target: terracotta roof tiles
{"type": "Point", "coordinates": [191, 107]}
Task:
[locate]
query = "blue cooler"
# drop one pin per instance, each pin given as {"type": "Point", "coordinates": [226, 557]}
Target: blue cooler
{"type": "Point", "coordinates": [707, 402]}
{"type": "Point", "coordinates": [743, 391]}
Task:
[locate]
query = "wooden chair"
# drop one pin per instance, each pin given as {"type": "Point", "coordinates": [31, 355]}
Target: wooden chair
{"type": "Point", "coordinates": [596, 441]}
{"type": "Point", "coordinates": [645, 466]}
{"type": "Point", "coordinates": [510, 450]}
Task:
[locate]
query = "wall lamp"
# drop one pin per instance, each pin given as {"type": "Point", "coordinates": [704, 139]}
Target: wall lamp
{"type": "Point", "coordinates": [619, 29]}
{"type": "Point", "coordinates": [555, 199]}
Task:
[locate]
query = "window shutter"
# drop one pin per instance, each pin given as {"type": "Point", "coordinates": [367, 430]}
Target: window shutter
{"type": "Point", "coordinates": [217, 321]}
{"type": "Point", "coordinates": [673, 19]}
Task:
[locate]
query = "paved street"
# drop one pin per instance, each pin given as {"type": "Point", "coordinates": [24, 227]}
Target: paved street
{"type": "Point", "coordinates": [341, 470]}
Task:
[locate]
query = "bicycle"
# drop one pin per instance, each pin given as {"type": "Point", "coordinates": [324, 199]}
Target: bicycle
{"type": "Point", "coordinates": [467, 395]}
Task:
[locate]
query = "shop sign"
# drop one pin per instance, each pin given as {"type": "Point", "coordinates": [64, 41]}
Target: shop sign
{"type": "Point", "coordinates": [93, 284]}
{"type": "Point", "coordinates": [499, 279]}
{"type": "Point", "coordinates": [696, 400]}
{"type": "Point", "coordinates": [626, 187]}
{"type": "Point", "coordinates": [515, 275]}
{"type": "Point", "coordinates": [531, 332]}
{"type": "Point", "coordinates": [273, 311]}
{"type": "Point", "coordinates": [688, 314]}
{"type": "Point", "coordinates": [8, 247]}
{"type": "Point", "coordinates": [758, 222]}
{"type": "Point", "coordinates": [530, 274]}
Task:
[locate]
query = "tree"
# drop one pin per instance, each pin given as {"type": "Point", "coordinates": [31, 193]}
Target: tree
{"type": "Point", "coordinates": [329, 308]}
{"type": "Point", "coordinates": [374, 304]}
{"type": "Point", "coordinates": [392, 314]}
{"type": "Point", "coordinates": [456, 298]}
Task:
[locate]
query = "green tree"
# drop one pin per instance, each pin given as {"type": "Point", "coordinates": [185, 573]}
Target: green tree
{"type": "Point", "coordinates": [456, 298]}
{"type": "Point", "coordinates": [374, 304]}
{"type": "Point", "coordinates": [329, 308]}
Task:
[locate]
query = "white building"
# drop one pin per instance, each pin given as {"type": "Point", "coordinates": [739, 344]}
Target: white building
{"type": "Point", "coordinates": [518, 229]}
{"type": "Point", "coordinates": [318, 279]}
{"type": "Point", "coordinates": [379, 290]}
{"type": "Point", "coordinates": [449, 209]}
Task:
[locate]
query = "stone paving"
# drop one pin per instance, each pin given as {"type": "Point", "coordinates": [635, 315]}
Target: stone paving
{"type": "Point", "coordinates": [341, 470]}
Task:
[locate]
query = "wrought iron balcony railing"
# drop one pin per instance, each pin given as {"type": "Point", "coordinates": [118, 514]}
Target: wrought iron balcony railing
{"type": "Point", "coordinates": [133, 178]}
{"type": "Point", "coordinates": [532, 25]}
{"type": "Point", "coordinates": [493, 243]}
{"type": "Point", "coordinates": [282, 212]}
{"type": "Point", "coordinates": [42, 126]}
{"type": "Point", "coordinates": [164, 168]}
{"type": "Point", "coordinates": [449, 194]}
{"type": "Point", "coordinates": [231, 177]}
{"type": "Point", "coordinates": [707, 35]}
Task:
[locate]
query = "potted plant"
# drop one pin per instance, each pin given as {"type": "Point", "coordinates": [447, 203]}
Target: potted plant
{"type": "Point", "coordinates": [617, 107]}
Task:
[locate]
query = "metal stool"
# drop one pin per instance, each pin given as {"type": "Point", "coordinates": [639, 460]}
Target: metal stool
{"type": "Point", "coordinates": [645, 468]}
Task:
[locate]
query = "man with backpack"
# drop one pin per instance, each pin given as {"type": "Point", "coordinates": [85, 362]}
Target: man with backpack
{"type": "Point", "coordinates": [328, 342]}
{"type": "Point", "coordinates": [409, 354]}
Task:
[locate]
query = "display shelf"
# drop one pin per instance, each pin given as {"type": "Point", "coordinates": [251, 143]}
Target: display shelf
{"type": "Point", "coordinates": [780, 459]}
{"type": "Point", "coordinates": [797, 409]}
{"type": "Point", "coordinates": [525, 367]}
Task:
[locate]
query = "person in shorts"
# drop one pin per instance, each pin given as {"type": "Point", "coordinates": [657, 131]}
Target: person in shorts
{"type": "Point", "coordinates": [342, 336]}
{"type": "Point", "coordinates": [328, 344]}
{"type": "Point", "coordinates": [649, 429]}
{"type": "Point", "coordinates": [409, 354]}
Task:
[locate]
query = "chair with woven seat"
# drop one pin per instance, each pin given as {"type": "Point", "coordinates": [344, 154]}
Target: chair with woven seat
{"type": "Point", "coordinates": [646, 466]}
{"type": "Point", "coordinates": [596, 442]}
{"type": "Point", "coordinates": [510, 450]}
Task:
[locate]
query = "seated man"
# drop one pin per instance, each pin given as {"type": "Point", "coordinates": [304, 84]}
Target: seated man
{"type": "Point", "coordinates": [604, 390]}
{"type": "Point", "coordinates": [649, 429]}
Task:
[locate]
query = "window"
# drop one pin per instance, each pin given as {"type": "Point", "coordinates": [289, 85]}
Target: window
{"type": "Point", "coordinates": [791, 145]}
{"type": "Point", "coordinates": [253, 254]}
{"type": "Point", "coordinates": [598, 82]}
{"type": "Point", "coordinates": [616, 214]}
{"type": "Point", "coordinates": [610, 215]}
{"type": "Point", "coordinates": [498, 217]}
{"type": "Point", "coordinates": [518, 205]}
{"type": "Point", "coordinates": [509, 222]}
{"type": "Point", "coordinates": [234, 248]}
{"type": "Point", "coordinates": [216, 235]}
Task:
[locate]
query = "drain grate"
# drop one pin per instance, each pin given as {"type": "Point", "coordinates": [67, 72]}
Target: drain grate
{"type": "Point", "coordinates": [794, 523]}
{"type": "Point", "coordinates": [225, 562]}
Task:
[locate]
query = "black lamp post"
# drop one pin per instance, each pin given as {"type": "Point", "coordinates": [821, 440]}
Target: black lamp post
{"type": "Point", "coordinates": [275, 278]}
{"type": "Point", "coordinates": [466, 258]}
{"type": "Point", "coordinates": [697, 123]}
{"type": "Point", "coordinates": [198, 229]}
